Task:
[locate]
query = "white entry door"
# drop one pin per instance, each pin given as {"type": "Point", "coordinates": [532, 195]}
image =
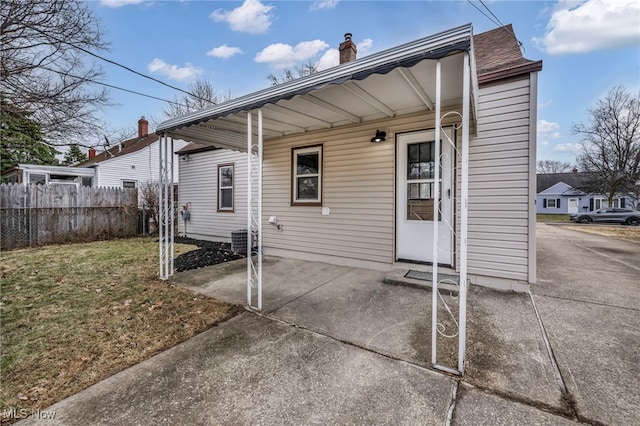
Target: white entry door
{"type": "Point", "coordinates": [573, 206]}
{"type": "Point", "coordinates": [414, 197]}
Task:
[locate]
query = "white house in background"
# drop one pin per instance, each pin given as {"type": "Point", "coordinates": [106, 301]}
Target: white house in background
{"type": "Point", "coordinates": [36, 174]}
{"type": "Point", "coordinates": [132, 163]}
{"type": "Point", "coordinates": [213, 188]}
{"type": "Point", "coordinates": [559, 193]}
{"type": "Point", "coordinates": [349, 153]}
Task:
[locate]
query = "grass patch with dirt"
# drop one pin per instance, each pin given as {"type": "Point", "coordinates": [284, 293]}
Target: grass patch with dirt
{"type": "Point", "coordinates": [73, 315]}
{"type": "Point", "coordinates": [629, 233]}
{"type": "Point", "coordinates": [552, 218]}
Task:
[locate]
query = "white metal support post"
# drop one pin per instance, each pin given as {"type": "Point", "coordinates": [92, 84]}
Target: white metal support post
{"type": "Point", "coordinates": [436, 198]}
{"type": "Point", "coordinates": [254, 214]}
{"type": "Point", "coordinates": [166, 209]}
{"type": "Point", "coordinates": [464, 212]}
{"type": "Point", "coordinates": [459, 323]}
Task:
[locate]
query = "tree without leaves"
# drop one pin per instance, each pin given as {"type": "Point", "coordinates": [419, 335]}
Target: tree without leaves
{"type": "Point", "coordinates": [21, 139]}
{"type": "Point", "coordinates": [202, 94]}
{"type": "Point", "coordinates": [553, 166]}
{"type": "Point", "coordinates": [611, 145]}
{"type": "Point", "coordinates": [289, 74]}
{"type": "Point", "coordinates": [44, 66]}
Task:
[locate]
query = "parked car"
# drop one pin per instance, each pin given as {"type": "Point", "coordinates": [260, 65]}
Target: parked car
{"type": "Point", "coordinates": [628, 216]}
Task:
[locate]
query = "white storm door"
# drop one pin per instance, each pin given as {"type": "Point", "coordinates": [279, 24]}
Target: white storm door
{"type": "Point", "coordinates": [414, 197]}
{"type": "Point", "coordinates": [573, 206]}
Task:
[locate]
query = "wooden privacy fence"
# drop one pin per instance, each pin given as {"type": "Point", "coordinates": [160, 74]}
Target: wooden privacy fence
{"type": "Point", "coordinates": [37, 215]}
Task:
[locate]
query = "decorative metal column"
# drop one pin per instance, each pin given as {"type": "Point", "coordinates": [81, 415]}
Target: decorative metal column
{"type": "Point", "coordinates": [166, 210]}
{"type": "Point", "coordinates": [459, 323]}
{"type": "Point", "coordinates": [254, 215]}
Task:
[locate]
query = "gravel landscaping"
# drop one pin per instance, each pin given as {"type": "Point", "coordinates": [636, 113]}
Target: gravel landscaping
{"type": "Point", "coordinates": [208, 253]}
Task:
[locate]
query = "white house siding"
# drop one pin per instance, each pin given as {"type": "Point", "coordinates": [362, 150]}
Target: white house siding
{"type": "Point", "coordinates": [199, 188]}
{"type": "Point", "coordinates": [358, 190]}
{"type": "Point", "coordinates": [499, 186]}
{"type": "Point", "coordinates": [142, 166]}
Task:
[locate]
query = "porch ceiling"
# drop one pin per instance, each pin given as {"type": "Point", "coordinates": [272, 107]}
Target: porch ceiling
{"type": "Point", "coordinates": [397, 89]}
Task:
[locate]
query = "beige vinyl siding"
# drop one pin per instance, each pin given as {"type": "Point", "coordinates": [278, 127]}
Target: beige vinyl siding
{"type": "Point", "coordinates": [499, 160]}
{"type": "Point", "coordinates": [199, 188]}
{"type": "Point", "coordinates": [358, 188]}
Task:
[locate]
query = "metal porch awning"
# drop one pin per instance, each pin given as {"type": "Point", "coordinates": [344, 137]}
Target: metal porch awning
{"type": "Point", "coordinates": [435, 73]}
{"type": "Point", "coordinates": [391, 83]}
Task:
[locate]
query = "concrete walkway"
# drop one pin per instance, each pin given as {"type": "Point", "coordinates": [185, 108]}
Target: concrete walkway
{"type": "Point", "coordinates": [336, 345]}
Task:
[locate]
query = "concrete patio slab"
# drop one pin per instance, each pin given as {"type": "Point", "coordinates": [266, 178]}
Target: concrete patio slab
{"type": "Point", "coordinates": [505, 347]}
{"type": "Point", "coordinates": [359, 308]}
{"type": "Point", "coordinates": [254, 370]}
{"type": "Point", "coordinates": [477, 407]}
{"type": "Point", "coordinates": [228, 281]}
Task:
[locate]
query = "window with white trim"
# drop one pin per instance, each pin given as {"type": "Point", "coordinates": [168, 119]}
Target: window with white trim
{"type": "Point", "coordinates": [307, 176]}
{"type": "Point", "coordinates": [225, 187]}
{"type": "Point", "coordinates": [551, 203]}
{"type": "Point", "coordinates": [129, 183]}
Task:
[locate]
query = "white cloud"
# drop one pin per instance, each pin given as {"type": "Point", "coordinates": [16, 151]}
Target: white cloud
{"type": "Point", "coordinates": [572, 148]}
{"type": "Point", "coordinates": [174, 72]}
{"type": "Point", "coordinates": [556, 135]}
{"type": "Point", "coordinates": [547, 126]}
{"type": "Point", "coordinates": [544, 143]}
{"type": "Point", "coordinates": [323, 4]}
{"type": "Point", "coordinates": [252, 17]}
{"type": "Point", "coordinates": [364, 46]}
{"type": "Point", "coordinates": [591, 25]}
{"type": "Point", "coordinates": [119, 3]}
{"type": "Point", "coordinates": [331, 57]}
{"type": "Point", "coordinates": [280, 55]}
{"type": "Point", "coordinates": [224, 51]}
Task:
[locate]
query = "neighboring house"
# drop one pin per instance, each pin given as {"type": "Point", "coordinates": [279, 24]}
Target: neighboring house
{"type": "Point", "coordinates": [213, 188]}
{"type": "Point", "coordinates": [558, 193]}
{"type": "Point", "coordinates": [348, 172]}
{"type": "Point", "coordinates": [36, 174]}
{"type": "Point", "coordinates": [132, 163]}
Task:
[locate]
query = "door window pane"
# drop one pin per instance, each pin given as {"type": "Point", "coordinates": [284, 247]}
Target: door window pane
{"type": "Point", "coordinates": [420, 160]}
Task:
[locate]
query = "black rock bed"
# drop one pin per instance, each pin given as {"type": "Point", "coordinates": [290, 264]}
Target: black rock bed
{"type": "Point", "coordinates": [208, 253]}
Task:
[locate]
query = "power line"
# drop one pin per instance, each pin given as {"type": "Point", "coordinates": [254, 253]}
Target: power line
{"type": "Point", "coordinates": [118, 64]}
{"type": "Point", "coordinates": [493, 18]}
{"type": "Point", "coordinates": [110, 85]}
{"type": "Point", "coordinates": [492, 14]}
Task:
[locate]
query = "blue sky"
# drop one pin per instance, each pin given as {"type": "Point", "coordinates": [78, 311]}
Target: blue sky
{"type": "Point", "coordinates": [587, 47]}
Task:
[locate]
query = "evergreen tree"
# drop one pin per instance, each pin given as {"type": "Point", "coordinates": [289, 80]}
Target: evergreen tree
{"type": "Point", "coordinates": [73, 156]}
{"type": "Point", "coordinates": [21, 139]}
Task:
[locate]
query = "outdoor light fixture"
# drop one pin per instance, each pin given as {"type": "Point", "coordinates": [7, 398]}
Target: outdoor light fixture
{"type": "Point", "coordinates": [379, 137]}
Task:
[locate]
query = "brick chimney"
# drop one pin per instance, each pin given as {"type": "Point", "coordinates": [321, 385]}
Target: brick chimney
{"type": "Point", "coordinates": [143, 128]}
{"type": "Point", "coordinates": [92, 153]}
{"type": "Point", "coordinates": [348, 49]}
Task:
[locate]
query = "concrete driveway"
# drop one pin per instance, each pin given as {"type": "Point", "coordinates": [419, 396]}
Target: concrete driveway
{"type": "Point", "coordinates": [588, 295]}
{"type": "Point", "coordinates": [336, 345]}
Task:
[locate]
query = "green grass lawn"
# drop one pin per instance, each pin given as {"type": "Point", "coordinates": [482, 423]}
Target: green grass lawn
{"type": "Point", "coordinates": [75, 314]}
{"type": "Point", "coordinates": [556, 218]}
